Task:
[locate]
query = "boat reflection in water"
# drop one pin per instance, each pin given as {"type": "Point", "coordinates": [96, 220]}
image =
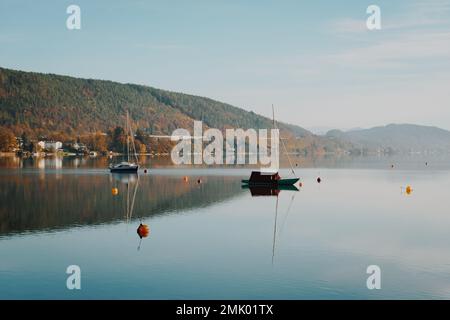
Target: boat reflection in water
{"type": "Point", "coordinates": [132, 180]}
{"type": "Point", "coordinates": [269, 191]}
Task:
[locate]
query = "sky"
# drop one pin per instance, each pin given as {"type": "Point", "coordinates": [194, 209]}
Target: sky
{"type": "Point", "coordinates": [316, 61]}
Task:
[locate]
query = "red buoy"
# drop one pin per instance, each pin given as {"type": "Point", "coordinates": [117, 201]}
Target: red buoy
{"type": "Point", "coordinates": [143, 230]}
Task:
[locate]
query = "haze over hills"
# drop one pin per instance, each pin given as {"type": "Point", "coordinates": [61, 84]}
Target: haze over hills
{"type": "Point", "coordinates": [48, 105]}
{"type": "Point", "coordinates": [397, 138]}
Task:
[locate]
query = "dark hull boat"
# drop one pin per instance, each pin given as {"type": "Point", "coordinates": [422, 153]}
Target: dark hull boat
{"type": "Point", "coordinates": [124, 167]}
{"type": "Point", "coordinates": [259, 179]}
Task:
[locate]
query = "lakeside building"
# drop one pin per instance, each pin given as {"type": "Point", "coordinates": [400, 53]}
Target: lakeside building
{"type": "Point", "coordinates": [50, 145]}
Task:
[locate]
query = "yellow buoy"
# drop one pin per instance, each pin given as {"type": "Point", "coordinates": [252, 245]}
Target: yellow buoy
{"type": "Point", "coordinates": [115, 191]}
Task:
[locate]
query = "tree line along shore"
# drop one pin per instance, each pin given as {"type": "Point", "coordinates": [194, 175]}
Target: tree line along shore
{"type": "Point", "coordinates": [114, 141]}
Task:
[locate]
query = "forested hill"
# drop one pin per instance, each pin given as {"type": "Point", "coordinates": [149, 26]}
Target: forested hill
{"type": "Point", "coordinates": [42, 104]}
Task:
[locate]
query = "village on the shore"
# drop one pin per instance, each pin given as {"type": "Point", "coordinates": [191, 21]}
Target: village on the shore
{"type": "Point", "coordinates": [92, 144]}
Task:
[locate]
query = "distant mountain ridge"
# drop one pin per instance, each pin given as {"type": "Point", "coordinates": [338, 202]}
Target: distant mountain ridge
{"type": "Point", "coordinates": [397, 138]}
{"type": "Point", "coordinates": [48, 105]}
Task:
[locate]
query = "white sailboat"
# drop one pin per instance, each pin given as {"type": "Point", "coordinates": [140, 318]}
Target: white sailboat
{"type": "Point", "coordinates": [127, 166]}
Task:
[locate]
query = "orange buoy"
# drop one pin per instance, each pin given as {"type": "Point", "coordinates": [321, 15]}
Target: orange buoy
{"type": "Point", "coordinates": [185, 179]}
{"type": "Point", "coordinates": [409, 190]}
{"type": "Point", "coordinates": [115, 191]}
{"type": "Point", "coordinates": [143, 231]}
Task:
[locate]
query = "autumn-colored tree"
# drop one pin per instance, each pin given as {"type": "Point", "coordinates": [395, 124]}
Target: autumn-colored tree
{"type": "Point", "coordinates": [95, 142]}
{"type": "Point", "coordinates": [26, 143]}
{"type": "Point", "coordinates": [140, 135]}
{"type": "Point", "coordinates": [142, 148]}
{"type": "Point", "coordinates": [8, 141]}
{"type": "Point", "coordinates": [99, 142]}
{"type": "Point", "coordinates": [118, 140]}
{"type": "Point", "coordinates": [59, 136]}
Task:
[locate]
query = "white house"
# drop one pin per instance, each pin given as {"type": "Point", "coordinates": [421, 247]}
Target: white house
{"type": "Point", "coordinates": [50, 145]}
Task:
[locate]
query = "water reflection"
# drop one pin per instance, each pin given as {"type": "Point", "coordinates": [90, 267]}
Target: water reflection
{"type": "Point", "coordinates": [268, 191]}
{"type": "Point", "coordinates": [46, 202]}
{"type": "Point", "coordinates": [402, 162]}
{"type": "Point", "coordinates": [216, 240]}
{"type": "Point", "coordinates": [131, 182]}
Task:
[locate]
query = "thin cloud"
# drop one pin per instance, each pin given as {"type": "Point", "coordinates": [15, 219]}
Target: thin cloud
{"type": "Point", "coordinates": [397, 52]}
{"type": "Point", "coordinates": [346, 26]}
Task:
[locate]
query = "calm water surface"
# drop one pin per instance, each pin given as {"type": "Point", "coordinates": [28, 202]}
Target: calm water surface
{"type": "Point", "coordinates": [216, 240]}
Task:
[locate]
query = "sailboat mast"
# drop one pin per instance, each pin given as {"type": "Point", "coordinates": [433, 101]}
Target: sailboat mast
{"type": "Point", "coordinates": [282, 142]}
{"type": "Point", "coordinates": [133, 144]}
{"type": "Point", "coordinates": [128, 139]}
{"type": "Point", "coordinates": [273, 117]}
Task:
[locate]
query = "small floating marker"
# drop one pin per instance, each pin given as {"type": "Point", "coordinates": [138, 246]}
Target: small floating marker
{"type": "Point", "coordinates": [199, 181]}
{"type": "Point", "coordinates": [115, 191]}
{"type": "Point", "coordinates": [300, 184]}
{"type": "Point", "coordinates": [185, 179]}
{"type": "Point", "coordinates": [392, 166]}
{"type": "Point", "coordinates": [143, 230]}
{"type": "Point", "coordinates": [319, 180]}
{"type": "Point", "coordinates": [145, 170]}
{"type": "Point", "coordinates": [426, 163]}
{"type": "Point", "coordinates": [296, 164]}
{"type": "Point", "coordinates": [409, 190]}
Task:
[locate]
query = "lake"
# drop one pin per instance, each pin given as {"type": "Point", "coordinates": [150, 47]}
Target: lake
{"type": "Point", "coordinates": [215, 240]}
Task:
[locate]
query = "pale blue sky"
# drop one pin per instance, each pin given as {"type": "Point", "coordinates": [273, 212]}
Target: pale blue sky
{"type": "Point", "coordinates": [314, 60]}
